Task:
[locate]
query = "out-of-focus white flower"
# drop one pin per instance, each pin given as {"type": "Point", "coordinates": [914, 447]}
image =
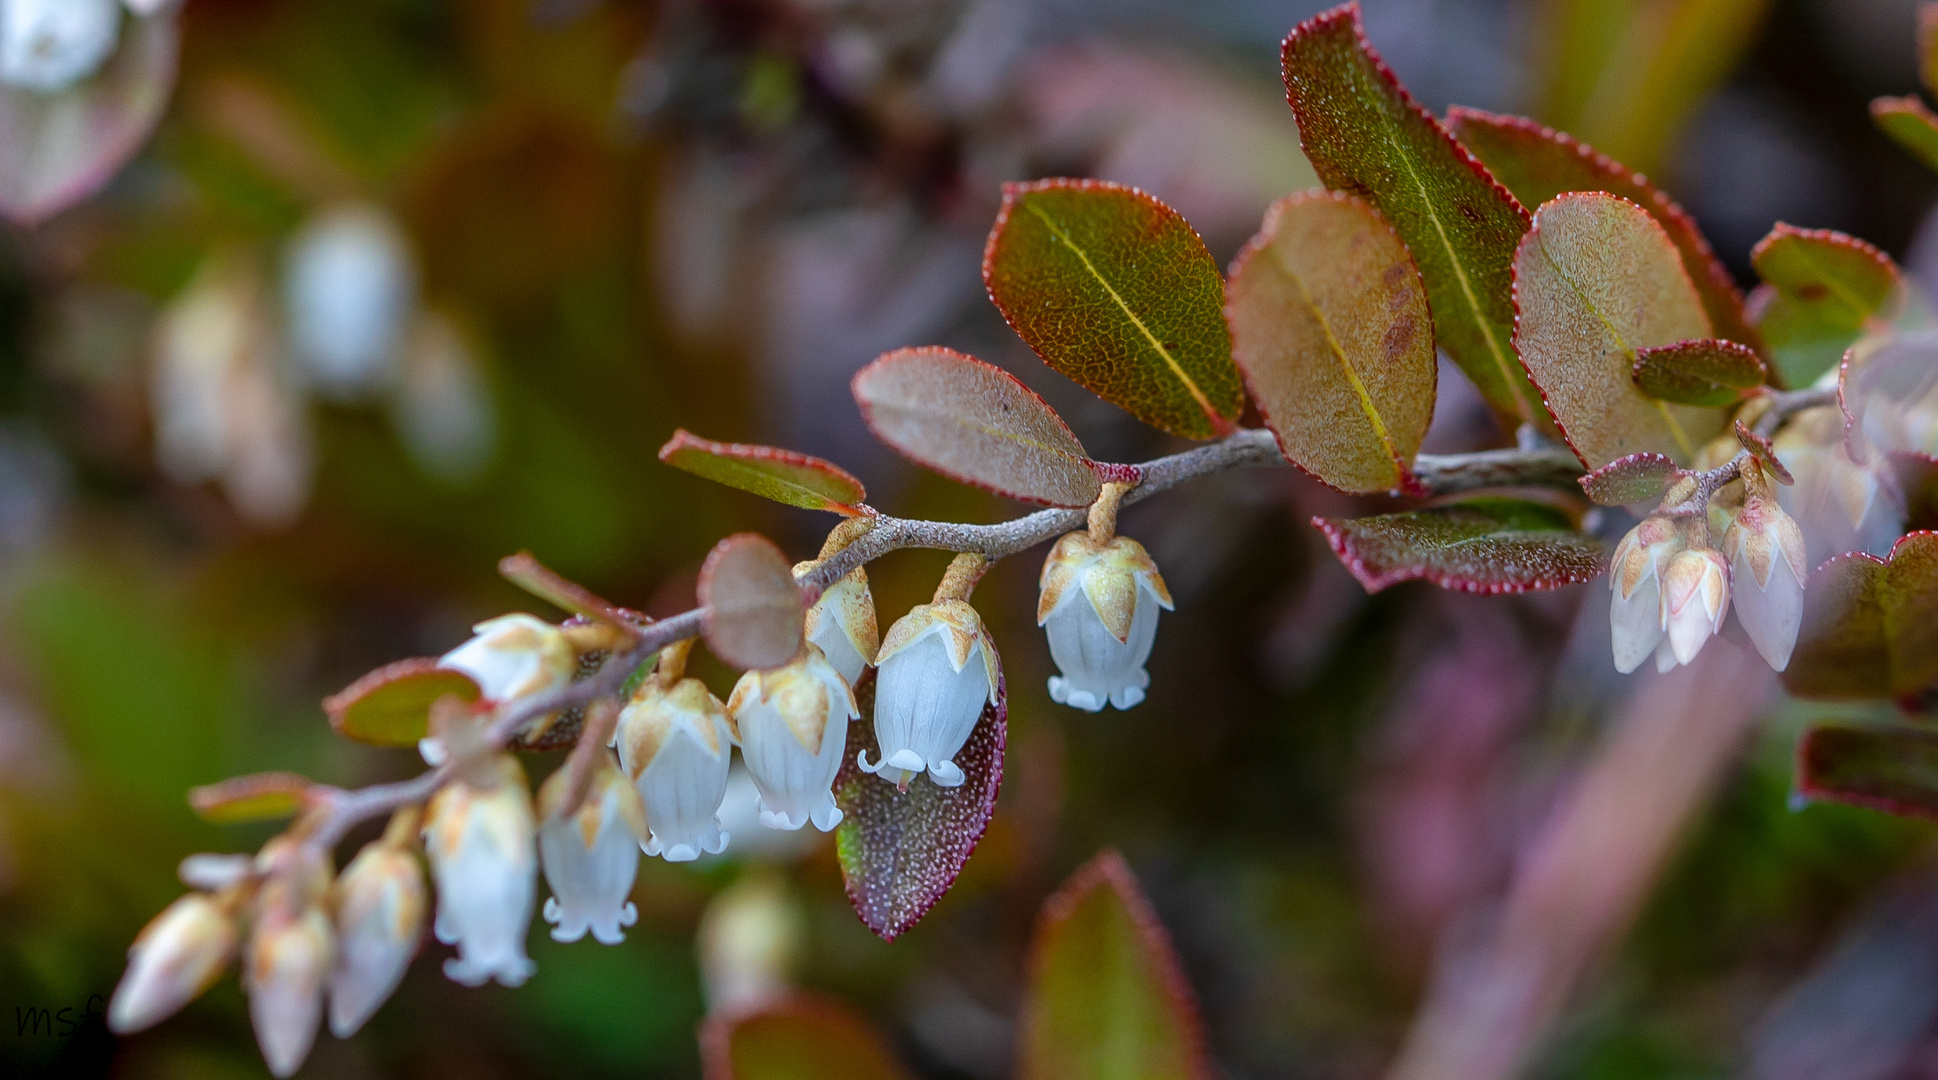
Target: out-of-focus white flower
{"type": "Point", "coordinates": [842, 623]}
{"type": "Point", "coordinates": [1767, 569]}
{"type": "Point", "coordinates": [380, 900]}
{"type": "Point", "coordinates": [675, 746]}
{"type": "Point", "coordinates": [1099, 606]}
{"type": "Point", "coordinates": [179, 954]}
{"type": "Point", "coordinates": [1840, 503]}
{"type": "Point", "coordinates": [1695, 597]}
{"type": "Point", "coordinates": [348, 286]}
{"type": "Point", "coordinates": [149, 7]}
{"type": "Point", "coordinates": [514, 656]}
{"type": "Point", "coordinates": [290, 954]}
{"type": "Point", "coordinates": [442, 405]}
{"type": "Point", "coordinates": [793, 724]}
{"type": "Point", "coordinates": [213, 873]}
{"type": "Point", "coordinates": [1635, 576]}
{"type": "Point", "coordinates": [749, 941]}
{"type": "Point", "coordinates": [591, 857]}
{"type": "Point", "coordinates": [481, 848]}
{"type": "Point", "coordinates": [937, 669]}
{"type": "Point", "coordinates": [49, 45]}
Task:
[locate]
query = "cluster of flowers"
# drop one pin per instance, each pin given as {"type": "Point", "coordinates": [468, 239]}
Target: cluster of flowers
{"type": "Point", "coordinates": [656, 787]}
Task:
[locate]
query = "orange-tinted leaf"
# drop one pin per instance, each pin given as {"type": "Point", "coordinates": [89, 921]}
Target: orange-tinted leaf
{"type": "Point", "coordinates": [1764, 452]}
{"type": "Point", "coordinates": [1820, 288]}
{"type": "Point", "coordinates": [1114, 289]}
{"type": "Point", "coordinates": [1483, 545]}
{"type": "Point", "coordinates": [1928, 46]}
{"type": "Point", "coordinates": [1537, 163]}
{"type": "Point", "coordinates": [753, 608]}
{"type": "Point", "coordinates": [1366, 136]}
{"type": "Point", "coordinates": [781, 475]}
{"type": "Point", "coordinates": [391, 706]}
{"type": "Point", "coordinates": [800, 1037]}
{"type": "Point", "coordinates": [1595, 281]}
{"type": "Point", "coordinates": [258, 797]}
{"type": "Point", "coordinates": [1106, 998]}
{"type": "Point", "coordinates": [1329, 323]}
{"type": "Point", "coordinates": [975, 423]}
{"type": "Point", "coordinates": [1893, 769]}
{"type": "Point", "coordinates": [525, 571]}
{"type": "Point", "coordinates": [1910, 124]}
{"type": "Point", "coordinates": [1707, 372]}
{"type": "Point", "coordinates": [1870, 625]}
{"type": "Point", "coordinates": [1630, 480]}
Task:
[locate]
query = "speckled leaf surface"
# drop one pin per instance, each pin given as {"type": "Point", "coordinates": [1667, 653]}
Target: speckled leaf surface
{"type": "Point", "coordinates": [391, 706]}
{"type": "Point", "coordinates": [902, 850]}
{"type": "Point", "coordinates": [1106, 998]}
{"type": "Point", "coordinates": [1366, 136]}
{"type": "Point", "coordinates": [1330, 326]}
{"type": "Point", "coordinates": [256, 797]}
{"type": "Point", "coordinates": [1595, 281]}
{"type": "Point", "coordinates": [974, 422]}
{"type": "Point", "coordinates": [1911, 124]}
{"type": "Point", "coordinates": [784, 476]}
{"type": "Point", "coordinates": [1484, 545]}
{"type": "Point", "coordinates": [1630, 480]}
{"type": "Point", "coordinates": [1870, 626]}
{"type": "Point", "coordinates": [1890, 769]}
{"type": "Point", "coordinates": [1820, 288]}
{"type": "Point", "coordinates": [800, 1037]}
{"type": "Point", "coordinates": [1707, 372]}
{"type": "Point", "coordinates": [754, 611]}
{"type": "Point", "coordinates": [1537, 163]}
{"type": "Point", "coordinates": [1114, 289]}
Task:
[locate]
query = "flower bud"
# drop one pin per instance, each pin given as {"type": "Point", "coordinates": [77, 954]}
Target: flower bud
{"type": "Point", "coordinates": [591, 857]}
{"type": "Point", "coordinates": [1099, 607]}
{"type": "Point", "coordinates": [1695, 597]}
{"type": "Point", "coordinates": [937, 669]}
{"type": "Point", "coordinates": [290, 954]}
{"type": "Point", "coordinates": [842, 623]}
{"type": "Point", "coordinates": [793, 724]}
{"type": "Point", "coordinates": [1634, 575]}
{"type": "Point", "coordinates": [749, 943]}
{"type": "Point", "coordinates": [675, 746]}
{"type": "Point", "coordinates": [348, 284]}
{"type": "Point", "coordinates": [481, 847]}
{"type": "Point", "coordinates": [179, 954]}
{"type": "Point", "coordinates": [380, 901]}
{"type": "Point", "coordinates": [513, 656]}
{"type": "Point", "coordinates": [1766, 558]}
{"type": "Point", "coordinates": [49, 45]}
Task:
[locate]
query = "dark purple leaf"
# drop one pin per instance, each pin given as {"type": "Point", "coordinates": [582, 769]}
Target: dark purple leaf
{"type": "Point", "coordinates": [1891, 769]}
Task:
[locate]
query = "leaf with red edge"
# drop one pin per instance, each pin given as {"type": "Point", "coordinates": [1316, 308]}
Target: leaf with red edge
{"type": "Point", "coordinates": [1630, 480]}
{"type": "Point", "coordinates": [525, 571]}
{"type": "Point", "coordinates": [900, 851]}
{"type": "Point", "coordinates": [1537, 163]}
{"type": "Point", "coordinates": [784, 476]}
{"type": "Point", "coordinates": [391, 706]}
{"type": "Point", "coordinates": [1596, 281]}
{"type": "Point", "coordinates": [1890, 769]}
{"type": "Point", "coordinates": [754, 611]}
{"type": "Point", "coordinates": [257, 797]}
{"type": "Point", "coordinates": [1106, 997]}
{"type": "Point", "coordinates": [974, 422]}
{"type": "Point", "coordinates": [1707, 372]}
{"type": "Point", "coordinates": [1911, 124]}
{"type": "Point", "coordinates": [1764, 452]}
{"type": "Point", "coordinates": [1366, 136]}
{"type": "Point", "coordinates": [1483, 545]}
{"type": "Point", "coordinates": [1114, 289]}
{"type": "Point", "coordinates": [800, 1037]}
{"type": "Point", "coordinates": [1870, 625]}
{"type": "Point", "coordinates": [1330, 326]}
{"type": "Point", "coordinates": [1820, 289]}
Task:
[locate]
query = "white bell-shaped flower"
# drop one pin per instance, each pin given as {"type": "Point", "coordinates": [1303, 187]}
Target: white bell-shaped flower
{"type": "Point", "coordinates": [349, 286]}
{"type": "Point", "coordinates": [937, 669]}
{"type": "Point", "coordinates": [675, 745]}
{"type": "Point", "coordinates": [842, 623]}
{"type": "Point", "coordinates": [1695, 597]}
{"type": "Point", "coordinates": [1635, 578]}
{"type": "Point", "coordinates": [591, 857]}
{"type": "Point", "coordinates": [49, 45]}
{"type": "Point", "coordinates": [1840, 503]}
{"type": "Point", "coordinates": [380, 901]}
{"type": "Point", "coordinates": [179, 954]}
{"type": "Point", "coordinates": [1766, 558]}
{"type": "Point", "coordinates": [480, 843]}
{"type": "Point", "coordinates": [290, 955]}
{"type": "Point", "coordinates": [793, 724]}
{"type": "Point", "coordinates": [1098, 606]}
{"type": "Point", "coordinates": [514, 656]}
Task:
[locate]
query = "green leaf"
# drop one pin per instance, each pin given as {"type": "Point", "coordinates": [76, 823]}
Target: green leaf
{"type": "Point", "coordinates": [1595, 281]}
{"type": "Point", "coordinates": [1537, 163]}
{"type": "Point", "coordinates": [900, 851]}
{"type": "Point", "coordinates": [800, 1037]}
{"type": "Point", "coordinates": [1893, 769]}
{"type": "Point", "coordinates": [1484, 545]}
{"type": "Point", "coordinates": [1113, 288]}
{"type": "Point", "coordinates": [784, 476]}
{"type": "Point", "coordinates": [1106, 998]}
{"type": "Point", "coordinates": [1870, 625]}
{"type": "Point", "coordinates": [754, 611]}
{"type": "Point", "coordinates": [1366, 136]}
{"type": "Point", "coordinates": [391, 706]}
{"type": "Point", "coordinates": [1329, 324]}
{"type": "Point", "coordinates": [1911, 125]}
{"type": "Point", "coordinates": [1630, 480]}
{"type": "Point", "coordinates": [258, 797]}
{"type": "Point", "coordinates": [1820, 289]}
{"type": "Point", "coordinates": [1707, 372]}
{"type": "Point", "coordinates": [974, 422]}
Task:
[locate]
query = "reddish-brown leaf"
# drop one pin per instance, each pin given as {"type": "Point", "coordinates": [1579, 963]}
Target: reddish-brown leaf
{"type": "Point", "coordinates": [257, 797]}
{"type": "Point", "coordinates": [1870, 625]}
{"type": "Point", "coordinates": [800, 1037]}
{"type": "Point", "coordinates": [1708, 372]}
{"type": "Point", "coordinates": [754, 611]}
{"type": "Point", "coordinates": [1764, 452]}
{"type": "Point", "coordinates": [391, 706]}
{"type": "Point", "coordinates": [784, 476]}
{"type": "Point", "coordinates": [1630, 480]}
{"type": "Point", "coordinates": [1891, 769]}
{"type": "Point", "coordinates": [525, 571]}
{"type": "Point", "coordinates": [1482, 545]}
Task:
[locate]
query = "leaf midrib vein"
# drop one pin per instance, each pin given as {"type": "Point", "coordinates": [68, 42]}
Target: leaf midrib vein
{"type": "Point", "coordinates": [1352, 375]}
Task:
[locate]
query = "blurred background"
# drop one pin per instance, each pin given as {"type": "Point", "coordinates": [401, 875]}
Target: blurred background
{"type": "Point", "coordinates": [398, 287]}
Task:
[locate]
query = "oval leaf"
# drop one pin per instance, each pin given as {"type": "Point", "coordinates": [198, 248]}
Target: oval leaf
{"type": "Point", "coordinates": [772, 473]}
{"type": "Point", "coordinates": [974, 422]}
{"type": "Point", "coordinates": [1330, 326]}
{"type": "Point", "coordinates": [1820, 288]}
{"type": "Point", "coordinates": [1484, 545]}
{"type": "Point", "coordinates": [1911, 125]}
{"type": "Point", "coordinates": [1630, 480]}
{"type": "Point", "coordinates": [1107, 999]}
{"type": "Point", "coordinates": [1894, 770]}
{"type": "Point", "coordinates": [901, 851]}
{"type": "Point", "coordinates": [258, 797]}
{"type": "Point", "coordinates": [525, 571]}
{"type": "Point", "coordinates": [754, 611]}
{"type": "Point", "coordinates": [1537, 163]}
{"type": "Point", "coordinates": [1113, 288]}
{"type": "Point", "coordinates": [800, 1037]}
{"type": "Point", "coordinates": [1595, 281]}
{"type": "Point", "coordinates": [1870, 625]}
{"type": "Point", "coordinates": [1708, 372]}
{"type": "Point", "coordinates": [1366, 136]}
{"type": "Point", "coordinates": [391, 706]}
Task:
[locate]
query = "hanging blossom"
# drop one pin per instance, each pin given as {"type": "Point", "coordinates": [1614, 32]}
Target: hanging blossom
{"type": "Point", "coordinates": [793, 725]}
{"type": "Point", "coordinates": [49, 45]}
{"type": "Point", "coordinates": [842, 623]}
{"type": "Point", "coordinates": [1635, 577]}
{"type": "Point", "coordinates": [479, 839]}
{"type": "Point", "coordinates": [509, 657]}
{"type": "Point", "coordinates": [380, 900]}
{"type": "Point", "coordinates": [1840, 502]}
{"type": "Point", "coordinates": [675, 745]}
{"type": "Point", "coordinates": [591, 856]}
{"type": "Point", "coordinates": [1766, 558]}
{"type": "Point", "coordinates": [179, 954]}
{"type": "Point", "coordinates": [1098, 606]}
{"type": "Point", "coordinates": [937, 670]}
{"type": "Point", "coordinates": [290, 953]}
{"type": "Point", "coordinates": [349, 286]}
